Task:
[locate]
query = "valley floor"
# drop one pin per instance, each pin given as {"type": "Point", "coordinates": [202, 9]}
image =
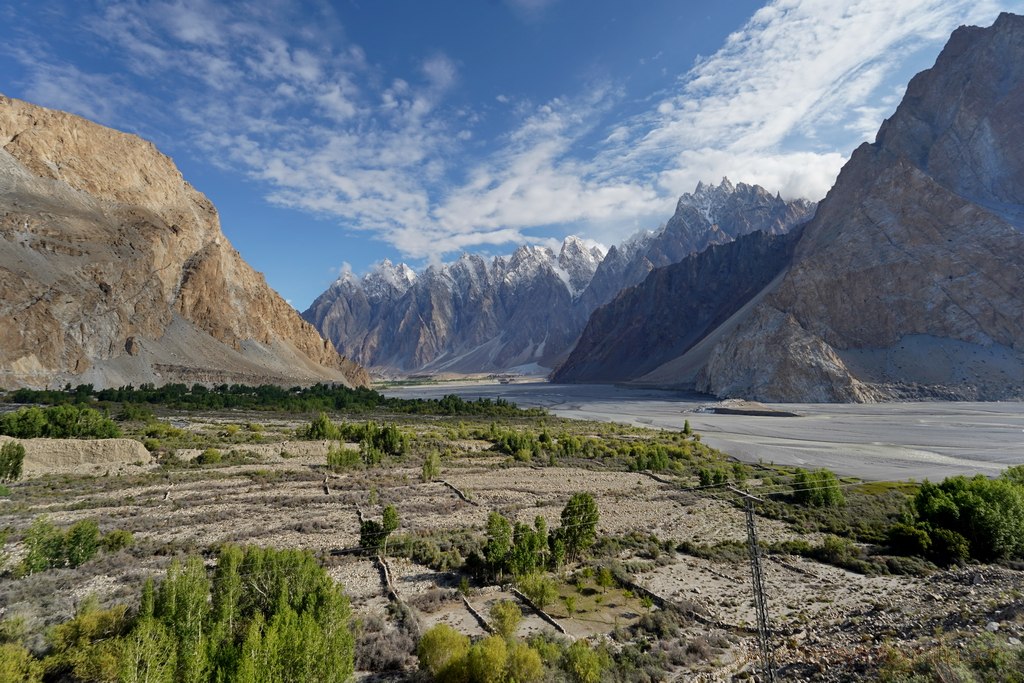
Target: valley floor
{"type": "Point", "coordinates": [831, 624]}
{"type": "Point", "coordinates": [884, 442]}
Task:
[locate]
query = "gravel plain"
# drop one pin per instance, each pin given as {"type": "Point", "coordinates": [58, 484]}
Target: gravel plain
{"type": "Point", "coordinates": [882, 441]}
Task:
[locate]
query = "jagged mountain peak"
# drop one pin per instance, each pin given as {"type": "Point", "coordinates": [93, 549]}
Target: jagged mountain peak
{"type": "Point", "coordinates": [528, 306]}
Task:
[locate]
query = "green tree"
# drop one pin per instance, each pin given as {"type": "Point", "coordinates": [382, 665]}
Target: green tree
{"type": "Point", "coordinates": [44, 544]}
{"type": "Point", "coordinates": [499, 543]}
{"type": "Point", "coordinates": [985, 516]}
{"type": "Point", "coordinates": [539, 588]}
{"type": "Point", "coordinates": [82, 542]}
{"type": "Point", "coordinates": [149, 654]}
{"type": "Point", "coordinates": [524, 664]}
{"type": "Point", "coordinates": [183, 604]}
{"type": "Point", "coordinates": [487, 660]}
{"type": "Point", "coordinates": [505, 616]}
{"type": "Point", "coordinates": [605, 579]}
{"type": "Point", "coordinates": [322, 429]}
{"type": "Point", "coordinates": [12, 456]}
{"type": "Point", "coordinates": [585, 664]}
{"type": "Point", "coordinates": [579, 525]}
{"type": "Point", "coordinates": [442, 649]}
{"type": "Point", "coordinates": [431, 467]}
{"type": "Point", "coordinates": [818, 489]}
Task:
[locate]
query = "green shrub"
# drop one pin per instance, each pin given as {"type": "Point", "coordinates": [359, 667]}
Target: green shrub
{"type": "Point", "coordinates": [818, 489]}
{"type": "Point", "coordinates": [118, 539]}
{"type": "Point", "coordinates": [44, 544]}
{"type": "Point", "coordinates": [539, 588]}
{"type": "Point", "coordinates": [48, 547]}
{"type": "Point", "coordinates": [442, 651]}
{"type": "Point", "coordinates": [505, 616]}
{"type": "Point", "coordinates": [211, 456]}
{"type": "Point", "coordinates": [321, 429]}
{"type": "Point", "coordinates": [135, 412]}
{"type": "Point", "coordinates": [81, 542]}
{"type": "Point", "coordinates": [340, 458]}
{"type": "Point", "coordinates": [964, 518]}
{"type": "Point", "coordinates": [431, 467]}
{"type": "Point", "coordinates": [12, 456]}
{"type": "Point", "coordinates": [58, 422]}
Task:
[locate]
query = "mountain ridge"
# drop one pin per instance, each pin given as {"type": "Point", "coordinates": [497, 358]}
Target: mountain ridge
{"type": "Point", "coordinates": [114, 270]}
{"type": "Point", "coordinates": [909, 281]}
{"type": "Point", "coordinates": [526, 310]}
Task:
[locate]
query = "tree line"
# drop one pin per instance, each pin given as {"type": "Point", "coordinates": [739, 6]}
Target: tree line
{"type": "Point", "coordinates": [319, 397]}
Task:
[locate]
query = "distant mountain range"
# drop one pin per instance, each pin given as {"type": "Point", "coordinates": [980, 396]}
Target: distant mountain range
{"type": "Point", "coordinates": [908, 282]}
{"type": "Point", "coordinates": [525, 311]}
{"type": "Point", "coordinates": [114, 271]}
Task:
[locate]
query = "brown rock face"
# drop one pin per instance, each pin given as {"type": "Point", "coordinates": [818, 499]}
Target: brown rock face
{"type": "Point", "coordinates": [113, 270]}
{"type": "Point", "coordinates": [910, 279]}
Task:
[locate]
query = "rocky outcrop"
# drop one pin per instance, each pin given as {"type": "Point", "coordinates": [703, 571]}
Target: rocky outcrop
{"type": "Point", "coordinates": [467, 316]}
{"type": "Point", "coordinates": [910, 279]}
{"type": "Point", "coordinates": [114, 270]}
{"type": "Point", "coordinates": [528, 309]}
{"type": "Point", "coordinates": [709, 215]}
{"type": "Point", "coordinates": [674, 308]}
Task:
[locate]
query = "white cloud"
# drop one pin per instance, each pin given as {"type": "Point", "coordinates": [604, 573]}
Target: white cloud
{"type": "Point", "coordinates": [781, 103]}
{"type": "Point", "coordinates": [796, 68]}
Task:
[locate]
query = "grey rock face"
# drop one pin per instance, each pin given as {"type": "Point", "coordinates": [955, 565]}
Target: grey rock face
{"type": "Point", "coordinates": [467, 316]}
{"type": "Point", "coordinates": [674, 308]}
{"type": "Point", "coordinates": [530, 307]}
{"type": "Point", "coordinates": [916, 251]}
{"type": "Point", "coordinates": [710, 215]}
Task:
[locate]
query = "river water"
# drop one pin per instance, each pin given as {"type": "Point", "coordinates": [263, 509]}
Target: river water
{"type": "Point", "coordinates": [888, 441]}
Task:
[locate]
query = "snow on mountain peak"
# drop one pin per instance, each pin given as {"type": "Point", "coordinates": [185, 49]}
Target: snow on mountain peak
{"type": "Point", "coordinates": [388, 280]}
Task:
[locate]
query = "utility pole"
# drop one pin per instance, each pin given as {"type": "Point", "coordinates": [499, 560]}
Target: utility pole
{"type": "Point", "coordinates": [757, 578]}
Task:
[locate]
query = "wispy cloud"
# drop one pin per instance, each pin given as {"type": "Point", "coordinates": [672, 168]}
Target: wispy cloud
{"type": "Point", "coordinates": [757, 107]}
{"type": "Point", "coordinates": [308, 114]}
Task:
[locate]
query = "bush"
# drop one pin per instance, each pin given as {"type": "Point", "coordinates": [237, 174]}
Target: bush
{"type": "Point", "coordinates": [964, 518]}
{"type": "Point", "coordinates": [431, 467]}
{"type": "Point", "coordinates": [442, 650]}
{"type": "Point", "coordinates": [505, 616]}
{"type": "Point", "coordinates": [82, 542]}
{"type": "Point", "coordinates": [48, 547]}
{"type": "Point", "coordinates": [118, 539]}
{"type": "Point", "coordinates": [264, 615]}
{"type": "Point", "coordinates": [211, 456]}
{"type": "Point", "coordinates": [340, 458]}
{"type": "Point", "coordinates": [58, 422]}
{"type": "Point", "coordinates": [818, 489]}
{"type": "Point", "coordinates": [44, 544]}
{"type": "Point", "coordinates": [539, 588]}
{"type": "Point", "coordinates": [321, 429]}
{"type": "Point", "coordinates": [12, 456]}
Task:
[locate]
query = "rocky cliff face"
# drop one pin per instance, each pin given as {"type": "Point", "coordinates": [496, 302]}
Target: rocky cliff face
{"type": "Point", "coordinates": [467, 316]}
{"type": "Point", "coordinates": [527, 309]}
{"type": "Point", "coordinates": [910, 279]}
{"type": "Point", "coordinates": [113, 270]}
{"type": "Point", "coordinates": [674, 308]}
{"type": "Point", "coordinates": [710, 215]}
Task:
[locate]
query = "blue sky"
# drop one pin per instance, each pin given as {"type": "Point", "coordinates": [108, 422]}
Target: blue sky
{"type": "Point", "coordinates": [336, 134]}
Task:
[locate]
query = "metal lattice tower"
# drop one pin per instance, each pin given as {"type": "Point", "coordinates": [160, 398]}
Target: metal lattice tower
{"type": "Point", "coordinates": [757, 578]}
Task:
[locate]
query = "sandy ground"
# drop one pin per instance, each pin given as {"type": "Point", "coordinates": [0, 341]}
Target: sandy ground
{"type": "Point", "coordinates": [890, 441]}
